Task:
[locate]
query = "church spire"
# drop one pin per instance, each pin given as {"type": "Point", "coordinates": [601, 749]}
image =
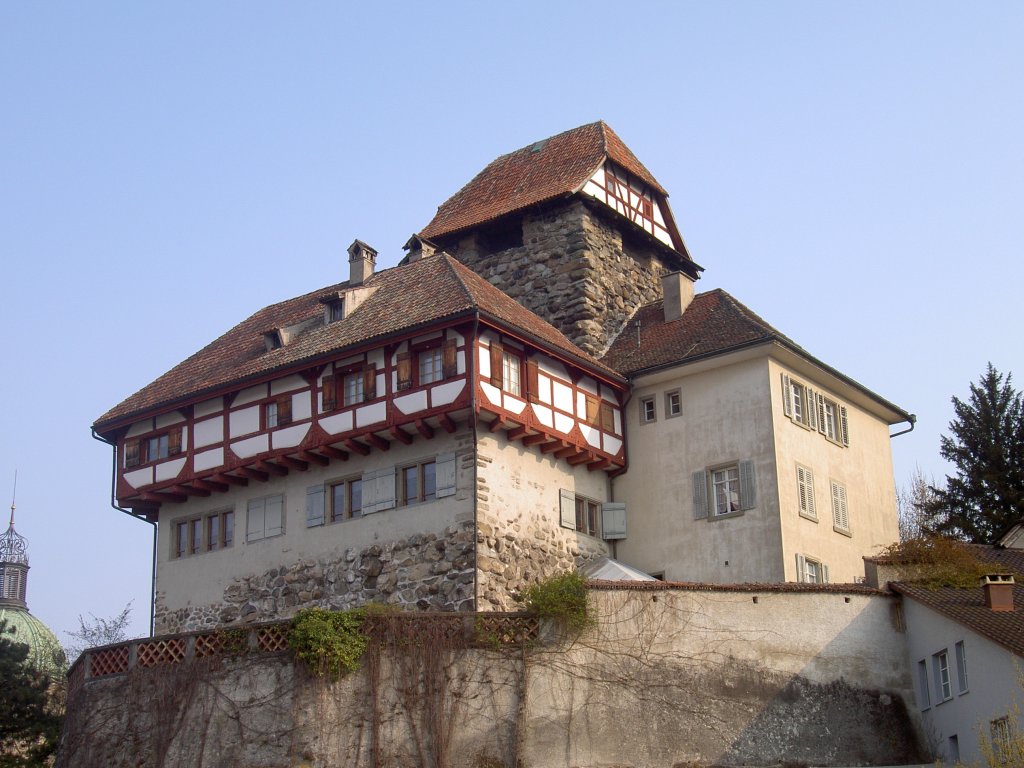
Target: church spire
{"type": "Point", "coordinates": [13, 563]}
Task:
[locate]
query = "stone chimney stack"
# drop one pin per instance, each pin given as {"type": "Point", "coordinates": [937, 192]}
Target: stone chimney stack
{"type": "Point", "coordinates": [418, 248]}
{"type": "Point", "coordinates": [678, 291]}
{"type": "Point", "coordinates": [998, 589]}
{"type": "Point", "coordinates": [361, 261]}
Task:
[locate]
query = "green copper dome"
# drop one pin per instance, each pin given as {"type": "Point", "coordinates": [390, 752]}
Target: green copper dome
{"type": "Point", "coordinates": [45, 652]}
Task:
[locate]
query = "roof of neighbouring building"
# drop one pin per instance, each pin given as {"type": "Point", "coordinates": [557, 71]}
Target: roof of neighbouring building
{"type": "Point", "coordinates": [45, 653]}
{"type": "Point", "coordinates": [538, 172]}
{"type": "Point", "coordinates": [406, 297]}
{"type": "Point", "coordinates": [967, 606]}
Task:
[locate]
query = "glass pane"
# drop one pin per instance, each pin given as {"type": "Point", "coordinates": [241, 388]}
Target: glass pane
{"type": "Point", "coordinates": [271, 415]}
{"type": "Point", "coordinates": [181, 540]}
{"type": "Point", "coordinates": [410, 484]}
{"type": "Point", "coordinates": [429, 481]}
{"type": "Point", "coordinates": [338, 501]}
{"type": "Point", "coordinates": [213, 532]}
{"type": "Point", "coordinates": [356, 500]}
{"type": "Point", "coordinates": [229, 528]}
{"type": "Point", "coordinates": [197, 535]}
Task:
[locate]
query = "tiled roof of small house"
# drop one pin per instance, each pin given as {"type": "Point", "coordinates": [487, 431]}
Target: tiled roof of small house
{"type": "Point", "coordinates": [406, 297]}
{"type": "Point", "coordinates": [967, 606]}
{"type": "Point", "coordinates": [539, 172]}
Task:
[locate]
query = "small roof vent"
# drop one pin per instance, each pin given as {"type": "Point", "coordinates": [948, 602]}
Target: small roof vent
{"type": "Point", "coordinates": [539, 145]}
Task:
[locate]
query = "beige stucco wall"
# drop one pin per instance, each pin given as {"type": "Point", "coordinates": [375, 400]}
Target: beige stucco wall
{"type": "Point", "coordinates": [726, 418]}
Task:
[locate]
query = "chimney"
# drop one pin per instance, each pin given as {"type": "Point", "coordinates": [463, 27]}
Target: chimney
{"type": "Point", "coordinates": [678, 291]}
{"type": "Point", "coordinates": [418, 248]}
{"type": "Point", "coordinates": [998, 589]}
{"type": "Point", "coordinates": [361, 261]}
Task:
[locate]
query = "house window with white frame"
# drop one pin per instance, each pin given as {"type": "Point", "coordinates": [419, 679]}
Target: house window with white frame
{"type": "Point", "coordinates": [840, 508]}
{"type": "Point", "coordinates": [510, 369]}
{"type": "Point", "coordinates": [673, 403]}
{"type": "Point", "coordinates": [648, 413]}
{"type": "Point", "coordinates": [940, 669]}
{"type": "Point", "coordinates": [811, 570]}
{"type": "Point", "coordinates": [725, 485]}
{"type": "Point", "coordinates": [430, 368]}
{"type": "Point", "coordinates": [353, 388]}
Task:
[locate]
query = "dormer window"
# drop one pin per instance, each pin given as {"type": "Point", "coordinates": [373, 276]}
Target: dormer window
{"type": "Point", "coordinates": [272, 339]}
{"type": "Point", "coordinates": [335, 310]}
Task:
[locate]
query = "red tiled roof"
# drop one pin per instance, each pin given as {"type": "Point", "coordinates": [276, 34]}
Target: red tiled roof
{"type": "Point", "coordinates": [967, 606]}
{"type": "Point", "coordinates": [542, 171]}
{"type": "Point", "coordinates": [428, 290]}
{"type": "Point", "coordinates": [693, 586]}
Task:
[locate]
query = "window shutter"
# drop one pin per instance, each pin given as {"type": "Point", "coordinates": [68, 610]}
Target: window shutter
{"type": "Point", "coordinates": [497, 356]}
{"type": "Point", "coordinates": [450, 359]}
{"type": "Point", "coordinates": [787, 396]}
{"type": "Point", "coordinates": [131, 453]}
{"type": "Point", "coordinates": [370, 382]}
{"type": "Point", "coordinates": [844, 426]}
{"type": "Point", "coordinates": [821, 412]}
{"type": "Point", "coordinates": [404, 370]}
{"type": "Point", "coordinates": [255, 520]}
{"type": "Point", "coordinates": [811, 410]}
{"type": "Point", "coordinates": [174, 442]}
{"type": "Point", "coordinates": [275, 515]}
{"type": "Point", "coordinates": [824, 574]}
{"type": "Point", "coordinates": [445, 474]}
{"type": "Point", "coordinates": [532, 382]}
{"type": "Point", "coordinates": [385, 483]}
{"type": "Point", "coordinates": [329, 394]}
{"type": "Point", "coordinates": [801, 568]}
{"type": "Point", "coordinates": [840, 511]}
{"type": "Point", "coordinates": [592, 410]}
{"type": "Point", "coordinates": [284, 411]}
{"type": "Point", "coordinates": [567, 508]}
{"type": "Point", "coordinates": [700, 495]}
{"type": "Point", "coordinates": [369, 486]}
{"type": "Point", "coordinates": [613, 520]}
{"type": "Point", "coordinates": [314, 505]}
{"type": "Point", "coordinates": [748, 485]}
{"type": "Point", "coordinates": [607, 417]}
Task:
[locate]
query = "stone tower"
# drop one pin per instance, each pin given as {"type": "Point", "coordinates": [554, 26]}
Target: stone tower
{"type": "Point", "coordinates": [573, 227]}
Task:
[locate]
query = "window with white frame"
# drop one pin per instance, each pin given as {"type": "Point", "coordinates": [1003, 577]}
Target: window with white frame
{"type": "Point", "coordinates": [429, 364]}
{"type": "Point", "coordinates": [648, 412]}
{"type": "Point", "coordinates": [815, 410]}
{"type": "Point", "coordinates": [811, 570]}
{"type": "Point", "coordinates": [1001, 733]}
{"type": "Point", "coordinates": [673, 403]}
{"type": "Point", "coordinates": [840, 508]}
{"type": "Point", "coordinates": [724, 491]}
{"type": "Point", "coordinates": [510, 369]}
{"type": "Point", "coordinates": [805, 492]}
{"type": "Point", "coordinates": [940, 670]}
{"type": "Point", "coordinates": [961, 666]}
{"type": "Point", "coordinates": [264, 518]}
{"type": "Point", "coordinates": [353, 388]}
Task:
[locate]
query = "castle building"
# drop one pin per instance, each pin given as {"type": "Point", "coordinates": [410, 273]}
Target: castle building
{"type": "Point", "coordinates": [534, 386]}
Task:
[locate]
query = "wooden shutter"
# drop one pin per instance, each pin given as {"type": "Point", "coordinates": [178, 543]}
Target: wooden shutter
{"type": "Point", "coordinates": [444, 467]}
{"type": "Point", "coordinates": [805, 483]}
{"type": "Point", "coordinates": [613, 520]}
{"type": "Point", "coordinates": [607, 417]}
{"type": "Point", "coordinates": [787, 396]}
{"type": "Point", "coordinates": [284, 410]}
{"type": "Point", "coordinates": [255, 522]}
{"type": "Point", "coordinates": [370, 382]}
{"type": "Point", "coordinates": [275, 515]}
{"type": "Point", "coordinates": [329, 394]}
{"type": "Point", "coordinates": [404, 370]}
{"type": "Point", "coordinates": [384, 487]}
{"type": "Point", "coordinates": [314, 505]}
{"type": "Point", "coordinates": [840, 510]}
{"type": "Point", "coordinates": [801, 568]}
{"type": "Point", "coordinates": [567, 509]}
{"type": "Point", "coordinates": [844, 426]}
{"type": "Point", "coordinates": [811, 410]}
{"type": "Point", "coordinates": [592, 410]}
{"type": "Point", "coordinates": [450, 359]}
{"type": "Point", "coordinates": [174, 442]}
{"type": "Point", "coordinates": [821, 412]}
{"type": "Point", "coordinates": [132, 453]}
{"type": "Point", "coordinates": [532, 382]}
{"type": "Point", "coordinates": [748, 485]}
{"type": "Point", "coordinates": [824, 574]}
{"type": "Point", "coordinates": [700, 495]}
{"type": "Point", "coordinates": [369, 487]}
{"type": "Point", "coordinates": [497, 357]}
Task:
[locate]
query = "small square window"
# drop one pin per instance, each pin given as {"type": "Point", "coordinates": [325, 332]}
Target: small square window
{"type": "Point", "coordinates": [587, 515]}
{"type": "Point", "coordinates": [647, 410]}
{"type": "Point", "coordinates": [673, 403]}
{"type": "Point", "coordinates": [336, 310]}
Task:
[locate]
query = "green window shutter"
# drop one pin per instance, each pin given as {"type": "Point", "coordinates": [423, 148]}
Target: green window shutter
{"type": "Point", "coordinates": [700, 495]}
{"type": "Point", "coordinates": [445, 473]}
{"type": "Point", "coordinates": [748, 485]}
{"type": "Point", "coordinates": [314, 505]}
{"type": "Point", "coordinates": [613, 520]}
{"type": "Point", "coordinates": [567, 508]}
{"type": "Point", "coordinates": [255, 523]}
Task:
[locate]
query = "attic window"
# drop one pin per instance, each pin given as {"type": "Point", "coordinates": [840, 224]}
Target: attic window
{"type": "Point", "coordinates": [273, 340]}
{"type": "Point", "coordinates": [335, 310]}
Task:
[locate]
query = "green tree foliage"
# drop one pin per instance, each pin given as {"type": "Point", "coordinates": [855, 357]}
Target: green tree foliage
{"type": "Point", "coordinates": [29, 724]}
{"type": "Point", "coordinates": [985, 497]}
{"type": "Point", "coordinates": [329, 643]}
{"type": "Point", "coordinates": [561, 598]}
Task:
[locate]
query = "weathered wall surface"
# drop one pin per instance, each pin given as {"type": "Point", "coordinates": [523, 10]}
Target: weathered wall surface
{"type": "Point", "coordinates": [666, 677]}
{"type": "Point", "coordinates": [575, 270]}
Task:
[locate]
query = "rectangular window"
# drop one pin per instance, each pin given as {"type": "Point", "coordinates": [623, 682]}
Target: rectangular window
{"type": "Point", "coordinates": [346, 499]}
{"type": "Point", "coordinates": [220, 530]}
{"type": "Point", "coordinates": [157, 447]}
{"type": "Point", "coordinates": [805, 491]}
{"type": "Point", "coordinates": [195, 537]}
{"type": "Point", "coordinates": [265, 518]}
{"type": "Point", "coordinates": [430, 369]}
{"type": "Point", "coordinates": [271, 415]}
{"type": "Point", "coordinates": [336, 310]}
{"type": "Point", "coordinates": [277, 413]}
{"type": "Point", "coordinates": [188, 537]}
{"type": "Point", "coordinates": [814, 573]}
{"type": "Point", "coordinates": [725, 484]}
{"type": "Point", "coordinates": [510, 370]}
{"type": "Point", "coordinates": [1001, 733]}
{"type": "Point", "coordinates": [922, 684]}
{"type": "Point", "coordinates": [961, 666]}
{"type": "Point", "coordinates": [353, 393]}
{"type": "Point", "coordinates": [181, 538]}
{"type": "Point", "coordinates": [840, 509]}
{"type": "Point", "coordinates": [940, 669]}
{"type": "Point", "coordinates": [827, 411]}
{"type": "Point", "coordinates": [673, 404]}
{"type": "Point", "coordinates": [647, 410]}
{"type": "Point", "coordinates": [587, 512]}
{"type": "Point", "coordinates": [418, 483]}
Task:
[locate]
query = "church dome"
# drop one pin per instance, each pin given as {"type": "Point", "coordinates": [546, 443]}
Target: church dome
{"type": "Point", "coordinates": [45, 652]}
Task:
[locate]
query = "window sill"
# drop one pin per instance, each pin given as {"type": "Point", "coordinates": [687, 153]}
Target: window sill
{"type": "Point", "coordinates": [842, 531]}
{"type": "Point", "coordinates": [727, 515]}
{"type": "Point", "coordinates": [806, 516]}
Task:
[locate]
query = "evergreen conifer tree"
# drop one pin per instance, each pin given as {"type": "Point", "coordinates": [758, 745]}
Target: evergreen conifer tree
{"type": "Point", "coordinates": [29, 722]}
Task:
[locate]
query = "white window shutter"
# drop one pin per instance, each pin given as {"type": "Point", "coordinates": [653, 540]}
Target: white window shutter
{"type": "Point", "coordinates": [567, 508]}
{"type": "Point", "coordinates": [748, 485]}
{"type": "Point", "coordinates": [275, 515]}
{"type": "Point", "coordinates": [801, 568]}
{"type": "Point", "coordinates": [445, 469]}
{"type": "Point", "coordinates": [824, 574]}
{"type": "Point", "coordinates": [369, 488]}
{"type": "Point", "coordinates": [613, 520]}
{"type": "Point", "coordinates": [700, 495]}
{"type": "Point", "coordinates": [385, 483]}
{"type": "Point", "coordinates": [787, 396]}
{"type": "Point", "coordinates": [844, 425]}
{"type": "Point", "coordinates": [314, 505]}
{"type": "Point", "coordinates": [255, 520]}
{"type": "Point", "coordinates": [821, 413]}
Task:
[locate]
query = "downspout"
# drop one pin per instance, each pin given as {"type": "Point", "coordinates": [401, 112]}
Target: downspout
{"type": "Point", "coordinates": [912, 418]}
{"type": "Point", "coordinates": [611, 477]}
{"type": "Point", "coordinates": [113, 503]}
{"type": "Point", "coordinates": [471, 358]}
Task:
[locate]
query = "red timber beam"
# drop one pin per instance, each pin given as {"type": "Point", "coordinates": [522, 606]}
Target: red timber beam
{"type": "Point", "coordinates": [536, 439]}
{"type": "Point", "coordinates": [401, 435]}
{"type": "Point", "coordinates": [446, 422]}
{"type": "Point", "coordinates": [229, 479]}
{"type": "Point", "coordinates": [352, 445]}
{"type": "Point", "coordinates": [292, 463]}
{"type": "Point", "coordinates": [555, 445]}
{"type": "Point", "coordinates": [272, 469]}
{"type": "Point", "coordinates": [255, 474]}
{"type": "Point", "coordinates": [495, 425]}
{"type": "Point", "coordinates": [518, 433]}
{"type": "Point", "coordinates": [161, 497]}
{"type": "Point", "coordinates": [334, 453]}
{"type": "Point", "coordinates": [210, 484]}
{"type": "Point", "coordinates": [189, 490]}
{"type": "Point", "coordinates": [564, 453]}
{"type": "Point", "coordinates": [424, 429]}
{"type": "Point", "coordinates": [377, 441]}
{"type": "Point", "coordinates": [317, 458]}
{"type": "Point", "coordinates": [581, 458]}
{"type": "Point", "coordinates": [594, 466]}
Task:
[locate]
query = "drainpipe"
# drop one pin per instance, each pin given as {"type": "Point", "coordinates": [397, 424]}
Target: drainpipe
{"type": "Point", "coordinates": [113, 503]}
{"type": "Point", "coordinates": [912, 419]}
{"type": "Point", "coordinates": [471, 361]}
{"type": "Point", "coordinates": [611, 477]}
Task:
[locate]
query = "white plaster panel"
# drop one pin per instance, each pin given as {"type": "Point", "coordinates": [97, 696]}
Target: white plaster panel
{"type": "Point", "coordinates": [544, 415]}
{"type": "Point", "coordinates": [208, 407]}
{"type": "Point", "coordinates": [562, 396]}
{"type": "Point", "coordinates": [246, 448]}
{"type": "Point", "coordinates": [590, 188]}
{"type": "Point", "coordinates": [139, 477]}
{"type": "Point", "coordinates": [514, 404]}
{"type": "Point", "coordinates": [245, 421]}
{"type": "Point", "coordinates": [371, 414]}
{"type": "Point", "coordinates": [168, 470]}
{"type": "Point", "coordinates": [427, 337]}
{"type": "Point", "coordinates": [167, 419]}
{"type": "Point", "coordinates": [376, 357]}
{"type": "Point", "coordinates": [446, 393]}
{"type": "Point", "coordinates": [453, 334]}
{"type": "Point", "coordinates": [417, 401]}
{"type": "Point", "coordinates": [340, 422]}
{"type": "Point", "coordinates": [460, 362]}
{"type": "Point", "coordinates": [146, 425]}
{"type": "Point", "coordinates": [208, 459]}
{"type": "Point", "coordinates": [591, 435]}
{"type": "Point", "coordinates": [403, 347]}
{"type": "Point", "coordinates": [287, 384]}
{"type": "Point", "coordinates": [617, 416]}
{"type": "Point", "coordinates": [581, 405]}
{"type": "Point", "coordinates": [209, 431]}
{"type": "Point", "coordinates": [658, 217]}
{"type": "Point", "coordinates": [348, 361]}
{"type": "Point", "coordinates": [484, 363]}
{"type": "Point", "coordinates": [249, 395]}
{"type": "Point", "coordinates": [491, 392]}
{"type": "Point", "coordinates": [607, 393]}
{"type": "Point", "coordinates": [663, 236]}
{"type": "Point", "coordinates": [301, 406]}
{"type": "Point", "coordinates": [564, 423]}
{"type": "Point", "coordinates": [588, 384]}
{"type": "Point", "coordinates": [543, 388]}
{"type": "Point", "coordinates": [289, 437]}
{"type": "Point", "coordinates": [612, 444]}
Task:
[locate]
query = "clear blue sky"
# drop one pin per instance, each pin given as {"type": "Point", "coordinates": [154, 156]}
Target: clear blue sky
{"type": "Point", "coordinates": [853, 172]}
